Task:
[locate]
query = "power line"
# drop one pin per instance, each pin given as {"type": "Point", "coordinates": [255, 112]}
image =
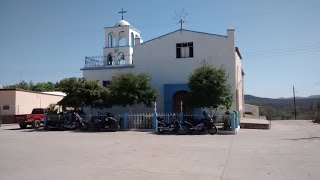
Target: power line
{"type": "Point", "coordinates": [294, 103]}
{"type": "Point", "coordinates": [285, 49]}
{"type": "Point", "coordinates": [268, 55]}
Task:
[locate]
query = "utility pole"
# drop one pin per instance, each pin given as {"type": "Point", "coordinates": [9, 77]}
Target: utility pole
{"type": "Point", "coordinates": [294, 103]}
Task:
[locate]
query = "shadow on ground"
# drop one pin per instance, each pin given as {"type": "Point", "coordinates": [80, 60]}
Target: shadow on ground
{"type": "Point", "coordinates": [148, 131]}
{"type": "Point", "coordinates": [305, 138]}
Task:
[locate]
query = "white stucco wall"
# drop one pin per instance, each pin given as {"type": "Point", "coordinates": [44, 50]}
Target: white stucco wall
{"type": "Point", "coordinates": [127, 49]}
{"type": "Point", "coordinates": [7, 98]}
{"type": "Point", "coordinates": [252, 109]}
{"type": "Point", "coordinates": [161, 64]}
{"type": "Point", "coordinates": [158, 59]}
{"type": "Point", "coordinates": [22, 102]}
{"type": "Point", "coordinates": [29, 100]}
{"type": "Point", "coordinates": [239, 85]}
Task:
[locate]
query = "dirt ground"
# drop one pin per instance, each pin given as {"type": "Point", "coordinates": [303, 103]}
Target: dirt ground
{"type": "Point", "coordinates": [290, 150]}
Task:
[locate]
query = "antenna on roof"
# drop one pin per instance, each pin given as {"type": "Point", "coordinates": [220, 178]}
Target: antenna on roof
{"type": "Point", "coordinates": [181, 17]}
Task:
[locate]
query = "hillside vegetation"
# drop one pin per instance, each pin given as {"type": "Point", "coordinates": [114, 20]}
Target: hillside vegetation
{"type": "Point", "coordinates": [283, 108]}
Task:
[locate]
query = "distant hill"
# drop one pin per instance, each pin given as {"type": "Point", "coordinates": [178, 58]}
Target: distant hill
{"type": "Point", "coordinates": [283, 108]}
{"type": "Point", "coordinates": [314, 96]}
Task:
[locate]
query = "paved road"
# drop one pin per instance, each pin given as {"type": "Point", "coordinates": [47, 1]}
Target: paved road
{"type": "Point", "coordinates": [290, 150]}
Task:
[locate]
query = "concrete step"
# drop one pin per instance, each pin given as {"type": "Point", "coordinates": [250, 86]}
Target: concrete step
{"type": "Point", "coordinates": [247, 123]}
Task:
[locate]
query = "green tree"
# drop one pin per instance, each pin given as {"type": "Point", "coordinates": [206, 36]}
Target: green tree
{"type": "Point", "coordinates": [130, 89]}
{"type": "Point", "coordinates": [318, 104]}
{"type": "Point", "coordinates": [44, 86]}
{"type": "Point", "coordinates": [81, 92]}
{"type": "Point", "coordinates": [21, 85]}
{"type": "Point", "coordinates": [209, 87]}
{"type": "Point", "coordinates": [96, 95]}
{"type": "Point", "coordinates": [39, 87]}
{"type": "Point", "coordinates": [72, 88]}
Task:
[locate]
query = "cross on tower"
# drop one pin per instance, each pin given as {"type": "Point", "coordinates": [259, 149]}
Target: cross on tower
{"type": "Point", "coordinates": [181, 23]}
{"type": "Point", "coordinates": [122, 12]}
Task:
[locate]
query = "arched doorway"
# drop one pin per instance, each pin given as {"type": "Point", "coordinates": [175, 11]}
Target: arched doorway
{"type": "Point", "coordinates": [176, 100]}
{"type": "Point", "coordinates": [109, 59]}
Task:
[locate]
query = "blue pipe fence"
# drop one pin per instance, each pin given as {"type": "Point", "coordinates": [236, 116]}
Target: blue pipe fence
{"type": "Point", "coordinates": [129, 121]}
{"type": "Point", "coordinates": [149, 120]}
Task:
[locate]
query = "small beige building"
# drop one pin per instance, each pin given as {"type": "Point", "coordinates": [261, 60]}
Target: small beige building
{"type": "Point", "coordinates": [17, 101]}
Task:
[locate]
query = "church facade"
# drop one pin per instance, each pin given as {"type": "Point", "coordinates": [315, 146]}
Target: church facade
{"type": "Point", "coordinates": [168, 60]}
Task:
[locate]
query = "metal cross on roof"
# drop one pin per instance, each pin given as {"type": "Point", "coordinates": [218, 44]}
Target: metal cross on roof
{"type": "Point", "coordinates": [181, 16]}
{"type": "Point", "coordinates": [122, 12]}
{"type": "Point", "coordinates": [181, 23]}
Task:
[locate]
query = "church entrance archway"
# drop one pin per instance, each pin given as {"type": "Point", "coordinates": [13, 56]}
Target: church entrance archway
{"type": "Point", "coordinates": [109, 59]}
{"type": "Point", "coordinates": [176, 102]}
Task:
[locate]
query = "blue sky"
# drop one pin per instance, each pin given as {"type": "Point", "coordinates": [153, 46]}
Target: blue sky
{"type": "Point", "coordinates": [47, 40]}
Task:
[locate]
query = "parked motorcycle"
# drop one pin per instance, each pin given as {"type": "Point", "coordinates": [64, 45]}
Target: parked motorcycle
{"type": "Point", "coordinates": [203, 125]}
{"type": "Point", "coordinates": [173, 126]}
{"type": "Point", "coordinates": [77, 122]}
{"type": "Point", "coordinates": [66, 120]}
{"type": "Point", "coordinates": [105, 122]}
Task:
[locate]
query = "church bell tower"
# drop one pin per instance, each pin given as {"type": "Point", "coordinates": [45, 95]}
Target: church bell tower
{"type": "Point", "coordinates": [119, 42]}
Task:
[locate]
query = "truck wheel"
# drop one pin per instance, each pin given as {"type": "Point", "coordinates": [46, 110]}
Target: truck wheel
{"type": "Point", "coordinates": [36, 124]}
{"type": "Point", "coordinates": [23, 126]}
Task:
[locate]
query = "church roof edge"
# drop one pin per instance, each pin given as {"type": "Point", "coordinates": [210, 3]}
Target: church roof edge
{"type": "Point", "coordinates": [108, 67]}
{"type": "Point", "coordinates": [184, 30]}
{"type": "Point", "coordinates": [238, 52]}
{"type": "Point", "coordinates": [124, 26]}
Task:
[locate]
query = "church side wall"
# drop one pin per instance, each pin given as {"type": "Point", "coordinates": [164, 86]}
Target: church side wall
{"type": "Point", "coordinates": [158, 58]}
{"type": "Point", "coordinates": [103, 74]}
{"type": "Point", "coordinates": [239, 85]}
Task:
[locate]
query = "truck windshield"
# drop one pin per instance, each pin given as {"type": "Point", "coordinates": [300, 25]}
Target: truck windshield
{"type": "Point", "coordinates": [37, 111]}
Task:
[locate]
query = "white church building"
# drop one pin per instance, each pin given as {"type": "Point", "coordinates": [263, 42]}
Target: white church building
{"type": "Point", "coordinates": [168, 60]}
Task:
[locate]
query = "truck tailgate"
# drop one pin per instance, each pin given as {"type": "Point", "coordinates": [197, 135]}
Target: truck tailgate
{"type": "Point", "coordinates": [20, 118]}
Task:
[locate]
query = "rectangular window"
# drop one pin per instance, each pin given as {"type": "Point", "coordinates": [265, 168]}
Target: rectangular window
{"type": "Point", "coordinates": [105, 83]}
{"type": "Point", "coordinates": [6, 107]}
{"type": "Point", "coordinates": [184, 50]}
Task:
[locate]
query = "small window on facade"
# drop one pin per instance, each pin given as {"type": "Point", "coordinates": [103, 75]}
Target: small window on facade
{"type": "Point", "coordinates": [184, 50]}
{"type": "Point", "coordinates": [6, 107]}
{"type": "Point", "coordinates": [105, 83]}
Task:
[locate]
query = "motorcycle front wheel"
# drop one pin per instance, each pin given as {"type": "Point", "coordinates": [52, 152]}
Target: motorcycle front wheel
{"type": "Point", "coordinates": [84, 126]}
{"type": "Point", "coordinates": [213, 130]}
{"type": "Point", "coordinates": [183, 130]}
{"type": "Point", "coordinates": [114, 126]}
{"type": "Point", "coordinates": [160, 131]}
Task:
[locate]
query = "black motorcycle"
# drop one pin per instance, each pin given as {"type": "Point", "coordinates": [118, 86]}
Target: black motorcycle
{"type": "Point", "coordinates": [66, 120]}
{"type": "Point", "coordinates": [173, 126]}
{"type": "Point", "coordinates": [105, 122]}
{"type": "Point", "coordinates": [203, 125]}
{"type": "Point", "coordinates": [78, 122]}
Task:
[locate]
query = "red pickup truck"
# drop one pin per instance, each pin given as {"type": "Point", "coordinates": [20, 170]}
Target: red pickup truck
{"type": "Point", "coordinates": [35, 119]}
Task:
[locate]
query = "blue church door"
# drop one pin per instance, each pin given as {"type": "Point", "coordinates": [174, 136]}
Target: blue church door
{"type": "Point", "coordinates": [178, 97]}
